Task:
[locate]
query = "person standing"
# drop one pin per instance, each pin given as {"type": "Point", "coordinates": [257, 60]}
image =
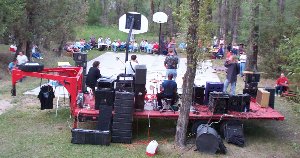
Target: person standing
{"type": "Point", "coordinates": [130, 65]}
{"type": "Point", "coordinates": [93, 75]}
{"type": "Point", "coordinates": [243, 58]}
{"type": "Point", "coordinates": [233, 69]}
{"type": "Point", "coordinates": [171, 63]}
{"type": "Point", "coordinates": [22, 58]}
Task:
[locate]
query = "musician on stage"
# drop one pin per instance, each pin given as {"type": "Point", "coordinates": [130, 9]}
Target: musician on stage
{"type": "Point", "coordinates": [130, 65]}
{"type": "Point", "coordinates": [168, 90]}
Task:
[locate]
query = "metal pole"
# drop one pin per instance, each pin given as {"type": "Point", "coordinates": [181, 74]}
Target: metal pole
{"type": "Point", "coordinates": [159, 39]}
{"type": "Point", "coordinates": [128, 39]}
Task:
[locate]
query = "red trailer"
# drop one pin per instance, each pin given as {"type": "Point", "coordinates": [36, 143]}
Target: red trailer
{"type": "Point", "coordinates": [71, 79]}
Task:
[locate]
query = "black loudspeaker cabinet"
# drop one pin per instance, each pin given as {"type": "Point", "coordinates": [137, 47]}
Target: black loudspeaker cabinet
{"type": "Point", "coordinates": [239, 103]}
{"type": "Point", "coordinates": [140, 74]}
{"type": "Point", "coordinates": [218, 102]}
{"type": "Point", "coordinates": [198, 95]}
{"type": "Point", "coordinates": [105, 83]}
{"type": "Point", "coordinates": [124, 95]}
{"type": "Point", "coordinates": [105, 118]}
{"type": "Point", "coordinates": [95, 137]}
{"type": "Point", "coordinates": [139, 95]}
{"type": "Point", "coordinates": [104, 97]}
{"type": "Point", "coordinates": [251, 92]}
{"type": "Point", "coordinates": [123, 110]}
{"type": "Point", "coordinates": [80, 57]}
{"type": "Point", "coordinates": [251, 85]}
{"type": "Point", "coordinates": [122, 125]}
{"type": "Point", "coordinates": [122, 133]}
{"type": "Point", "coordinates": [81, 64]}
{"type": "Point", "coordinates": [255, 77]}
{"type": "Point", "coordinates": [124, 103]}
{"type": "Point", "coordinates": [120, 139]}
{"type": "Point", "coordinates": [272, 96]}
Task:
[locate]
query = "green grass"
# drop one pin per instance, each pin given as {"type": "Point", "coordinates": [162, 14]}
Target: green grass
{"type": "Point", "coordinates": [112, 32]}
{"type": "Point", "coordinates": [27, 131]}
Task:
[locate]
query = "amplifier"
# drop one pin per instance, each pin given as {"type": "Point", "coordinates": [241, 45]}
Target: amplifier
{"type": "Point", "coordinates": [31, 67]}
{"type": "Point", "coordinates": [218, 102]}
{"type": "Point", "coordinates": [210, 87]}
{"type": "Point", "coordinates": [105, 83]}
{"type": "Point", "coordinates": [81, 64]}
{"type": "Point", "coordinates": [95, 137]}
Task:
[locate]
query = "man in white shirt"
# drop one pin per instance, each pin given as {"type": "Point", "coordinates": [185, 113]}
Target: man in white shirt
{"type": "Point", "coordinates": [243, 58]}
{"type": "Point", "coordinates": [22, 58]}
{"type": "Point", "coordinates": [130, 65]}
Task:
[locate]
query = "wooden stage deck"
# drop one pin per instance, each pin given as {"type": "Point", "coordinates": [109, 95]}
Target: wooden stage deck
{"type": "Point", "coordinates": [256, 112]}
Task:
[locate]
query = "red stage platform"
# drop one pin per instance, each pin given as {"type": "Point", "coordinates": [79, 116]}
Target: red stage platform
{"type": "Point", "coordinates": [256, 112]}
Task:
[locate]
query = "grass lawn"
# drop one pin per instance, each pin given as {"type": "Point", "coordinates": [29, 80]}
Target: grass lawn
{"type": "Point", "coordinates": [26, 131]}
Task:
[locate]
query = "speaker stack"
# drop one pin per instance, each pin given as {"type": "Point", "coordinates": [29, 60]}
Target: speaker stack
{"type": "Point", "coordinates": [218, 102]}
{"type": "Point", "coordinates": [140, 87]}
{"type": "Point", "coordinates": [211, 87]}
{"type": "Point", "coordinates": [251, 84]}
{"type": "Point", "coordinates": [94, 137]}
{"type": "Point", "coordinates": [198, 94]}
{"type": "Point", "coordinates": [123, 117]}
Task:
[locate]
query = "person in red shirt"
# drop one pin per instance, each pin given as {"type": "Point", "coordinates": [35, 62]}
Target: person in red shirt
{"type": "Point", "coordinates": [155, 48]}
{"type": "Point", "coordinates": [281, 84]}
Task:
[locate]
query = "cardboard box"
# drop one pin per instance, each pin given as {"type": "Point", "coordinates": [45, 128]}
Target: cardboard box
{"type": "Point", "coordinates": [262, 97]}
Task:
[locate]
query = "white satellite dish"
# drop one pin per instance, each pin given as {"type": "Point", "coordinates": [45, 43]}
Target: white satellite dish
{"type": "Point", "coordinates": [143, 24]}
{"type": "Point", "coordinates": [160, 17]}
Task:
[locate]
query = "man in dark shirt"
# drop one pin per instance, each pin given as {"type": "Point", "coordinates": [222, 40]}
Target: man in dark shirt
{"type": "Point", "coordinates": [93, 75]}
{"type": "Point", "coordinates": [168, 90]}
{"type": "Point", "coordinates": [233, 69]}
{"type": "Point", "coordinates": [171, 63]}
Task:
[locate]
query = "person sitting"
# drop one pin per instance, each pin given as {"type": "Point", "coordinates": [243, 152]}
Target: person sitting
{"type": "Point", "coordinates": [93, 75]}
{"type": "Point", "coordinates": [35, 53]}
{"type": "Point", "coordinates": [12, 65]}
{"type": "Point", "coordinates": [281, 84]}
{"type": "Point", "coordinates": [21, 58]}
{"type": "Point", "coordinates": [155, 48]}
{"type": "Point", "coordinates": [168, 90]}
{"type": "Point", "coordinates": [220, 52]}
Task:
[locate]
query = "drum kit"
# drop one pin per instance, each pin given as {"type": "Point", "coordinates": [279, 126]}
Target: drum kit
{"type": "Point", "coordinates": [154, 86]}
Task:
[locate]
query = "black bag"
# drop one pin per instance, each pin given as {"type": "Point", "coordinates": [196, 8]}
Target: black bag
{"type": "Point", "coordinates": [31, 67]}
{"type": "Point", "coordinates": [234, 133]}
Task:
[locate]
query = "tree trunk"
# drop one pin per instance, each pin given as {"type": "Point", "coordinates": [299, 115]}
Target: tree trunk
{"type": "Point", "coordinates": [253, 38]}
{"type": "Point", "coordinates": [235, 20]}
{"type": "Point", "coordinates": [219, 19]}
{"type": "Point", "coordinates": [224, 27]}
{"type": "Point", "coordinates": [104, 16]}
{"type": "Point", "coordinates": [189, 76]}
{"type": "Point", "coordinates": [151, 8]}
{"type": "Point", "coordinates": [281, 6]}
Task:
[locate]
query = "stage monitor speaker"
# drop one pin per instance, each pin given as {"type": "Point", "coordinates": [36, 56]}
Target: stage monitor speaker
{"type": "Point", "coordinates": [80, 57]}
{"type": "Point", "coordinates": [198, 95]}
{"type": "Point", "coordinates": [140, 74]}
{"type": "Point", "coordinates": [136, 23]}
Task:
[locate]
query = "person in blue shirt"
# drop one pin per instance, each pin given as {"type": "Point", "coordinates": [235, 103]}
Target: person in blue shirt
{"type": "Point", "coordinates": [168, 90]}
{"type": "Point", "coordinates": [12, 65]}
